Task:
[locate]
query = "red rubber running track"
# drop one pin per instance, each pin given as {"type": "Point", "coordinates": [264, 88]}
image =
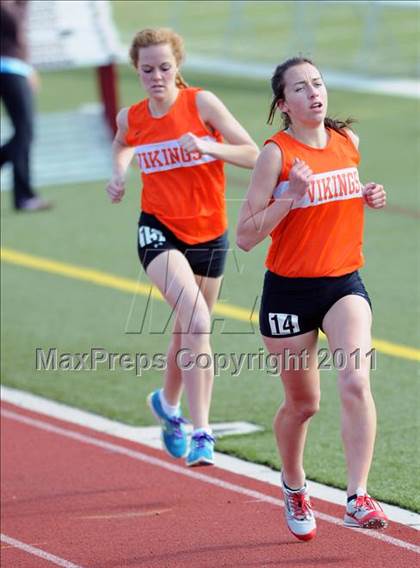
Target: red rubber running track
{"type": "Point", "coordinates": [74, 497]}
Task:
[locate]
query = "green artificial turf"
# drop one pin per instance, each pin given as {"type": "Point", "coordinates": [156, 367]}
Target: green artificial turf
{"type": "Point", "coordinates": [42, 310]}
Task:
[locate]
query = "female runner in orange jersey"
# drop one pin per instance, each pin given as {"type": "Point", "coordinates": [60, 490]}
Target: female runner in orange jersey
{"type": "Point", "coordinates": [305, 192]}
{"type": "Point", "coordinates": [177, 136]}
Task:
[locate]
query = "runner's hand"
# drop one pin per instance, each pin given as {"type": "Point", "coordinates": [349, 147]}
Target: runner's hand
{"type": "Point", "coordinates": [192, 143]}
{"type": "Point", "coordinates": [299, 178]}
{"type": "Point", "coordinates": [116, 189]}
{"type": "Point", "coordinates": [374, 195]}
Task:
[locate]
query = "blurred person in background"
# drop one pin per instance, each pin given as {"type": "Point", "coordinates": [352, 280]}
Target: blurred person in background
{"type": "Point", "coordinates": [18, 81]}
{"type": "Point", "coordinates": [306, 194]}
{"type": "Point", "coordinates": [177, 135]}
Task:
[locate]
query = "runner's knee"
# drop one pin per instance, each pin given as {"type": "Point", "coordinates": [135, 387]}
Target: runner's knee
{"type": "Point", "coordinates": [196, 322]}
{"type": "Point", "coordinates": [303, 410]}
{"type": "Point", "coordinates": [354, 384]}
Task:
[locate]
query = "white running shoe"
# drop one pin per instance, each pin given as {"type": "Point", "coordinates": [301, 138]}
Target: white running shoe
{"type": "Point", "coordinates": [298, 510]}
{"type": "Point", "coordinates": [365, 512]}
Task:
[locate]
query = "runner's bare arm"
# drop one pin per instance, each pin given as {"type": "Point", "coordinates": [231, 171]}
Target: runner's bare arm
{"type": "Point", "coordinates": [373, 193]}
{"type": "Point", "coordinates": [121, 158]}
{"type": "Point", "coordinates": [353, 137]}
{"type": "Point", "coordinates": [239, 149]}
{"type": "Point", "coordinates": [260, 213]}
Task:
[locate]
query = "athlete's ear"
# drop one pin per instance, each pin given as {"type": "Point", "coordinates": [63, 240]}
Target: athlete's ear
{"type": "Point", "coordinates": [282, 105]}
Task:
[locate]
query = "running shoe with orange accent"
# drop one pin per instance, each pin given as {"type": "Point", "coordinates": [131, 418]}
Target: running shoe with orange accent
{"type": "Point", "coordinates": [298, 511]}
{"type": "Point", "coordinates": [365, 512]}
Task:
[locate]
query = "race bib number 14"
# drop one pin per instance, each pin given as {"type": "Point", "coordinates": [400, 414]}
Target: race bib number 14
{"type": "Point", "coordinates": [283, 324]}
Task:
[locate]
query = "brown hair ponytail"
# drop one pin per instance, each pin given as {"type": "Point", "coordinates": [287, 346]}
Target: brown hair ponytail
{"type": "Point", "coordinates": [180, 81]}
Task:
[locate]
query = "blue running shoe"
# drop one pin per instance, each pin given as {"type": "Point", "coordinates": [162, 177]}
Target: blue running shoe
{"type": "Point", "coordinates": [174, 435]}
{"type": "Point", "coordinates": [201, 450]}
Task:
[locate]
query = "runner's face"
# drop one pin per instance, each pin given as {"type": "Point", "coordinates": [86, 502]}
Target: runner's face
{"type": "Point", "coordinates": [157, 70]}
{"type": "Point", "coordinates": [305, 95]}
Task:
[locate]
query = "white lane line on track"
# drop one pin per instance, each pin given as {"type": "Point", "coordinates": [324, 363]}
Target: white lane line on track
{"type": "Point", "coordinates": [151, 436]}
{"type": "Point", "coordinates": [137, 455]}
{"type": "Point", "coordinates": [38, 552]}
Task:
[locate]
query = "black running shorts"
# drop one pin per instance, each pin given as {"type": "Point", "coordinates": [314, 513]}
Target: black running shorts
{"type": "Point", "coordinates": [292, 306]}
{"type": "Point", "coordinates": [205, 259]}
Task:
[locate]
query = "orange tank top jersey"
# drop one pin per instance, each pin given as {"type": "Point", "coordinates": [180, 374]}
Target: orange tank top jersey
{"type": "Point", "coordinates": [323, 232]}
{"type": "Point", "coordinates": [185, 191]}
